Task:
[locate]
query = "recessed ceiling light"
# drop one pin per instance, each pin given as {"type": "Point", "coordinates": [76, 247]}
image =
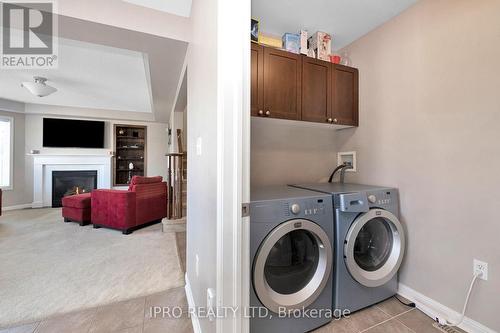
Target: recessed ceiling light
{"type": "Point", "coordinates": [39, 87]}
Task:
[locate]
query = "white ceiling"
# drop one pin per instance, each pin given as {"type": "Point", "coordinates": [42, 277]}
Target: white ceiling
{"type": "Point", "coordinates": [88, 76]}
{"type": "Point", "coordinates": [176, 7]}
{"type": "Point", "coordinates": [346, 20]}
{"type": "Point", "coordinates": [106, 68]}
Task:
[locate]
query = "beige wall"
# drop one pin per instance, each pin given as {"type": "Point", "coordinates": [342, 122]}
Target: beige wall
{"type": "Point", "coordinates": [19, 194]}
{"type": "Point", "coordinates": [430, 125]}
{"type": "Point", "coordinates": [290, 152]}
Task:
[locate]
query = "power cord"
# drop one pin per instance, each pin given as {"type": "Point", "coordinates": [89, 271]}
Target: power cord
{"type": "Point", "coordinates": [462, 316]}
{"type": "Point", "coordinates": [411, 304]}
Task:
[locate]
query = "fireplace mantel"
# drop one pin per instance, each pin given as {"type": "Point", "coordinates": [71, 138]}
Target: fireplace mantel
{"type": "Point", "coordinates": [44, 164]}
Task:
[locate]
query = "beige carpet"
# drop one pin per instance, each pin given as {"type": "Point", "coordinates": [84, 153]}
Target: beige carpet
{"type": "Point", "coordinates": [49, 267]}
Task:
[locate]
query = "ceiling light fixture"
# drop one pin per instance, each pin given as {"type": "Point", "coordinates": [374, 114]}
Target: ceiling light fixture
{"type": "Point", "coordinates": [39, 87]}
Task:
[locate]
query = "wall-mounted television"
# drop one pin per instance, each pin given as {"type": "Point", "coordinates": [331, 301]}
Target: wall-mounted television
{"type": "Point", "coordinates": [71, 133]}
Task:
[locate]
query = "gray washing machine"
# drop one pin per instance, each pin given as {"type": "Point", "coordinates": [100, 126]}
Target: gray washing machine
{"type": "Point", "coordinates": [369, 243]}
{"type": "Point", "coordinates": [291, 247]}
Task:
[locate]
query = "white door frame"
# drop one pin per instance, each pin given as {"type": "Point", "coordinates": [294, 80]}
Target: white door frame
{"type": "Point", "coordinates": [233, 147]}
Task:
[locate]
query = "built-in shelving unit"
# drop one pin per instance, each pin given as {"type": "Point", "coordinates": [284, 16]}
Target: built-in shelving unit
{"type": "Point", "coordinates": [130, 153]}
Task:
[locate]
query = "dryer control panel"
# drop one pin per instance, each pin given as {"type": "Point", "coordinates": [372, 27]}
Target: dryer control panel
{"type": "Point", "coordinates": [307, 208]}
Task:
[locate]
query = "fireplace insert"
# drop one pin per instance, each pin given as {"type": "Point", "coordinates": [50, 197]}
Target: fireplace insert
{"type": "Point", "coordinates": [71, 182]}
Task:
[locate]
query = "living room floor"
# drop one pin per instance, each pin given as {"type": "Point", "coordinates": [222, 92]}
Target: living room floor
{"type": "Point", "coordinates": [51, 268]}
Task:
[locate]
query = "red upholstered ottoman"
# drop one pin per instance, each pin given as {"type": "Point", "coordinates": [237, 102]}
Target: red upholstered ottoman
{"type": "Point", "coordinates": [76, 208]}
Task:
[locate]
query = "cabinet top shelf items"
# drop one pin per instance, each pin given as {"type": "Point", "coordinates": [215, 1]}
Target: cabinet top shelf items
{"type": "Point", "coordinates": [290, 86]}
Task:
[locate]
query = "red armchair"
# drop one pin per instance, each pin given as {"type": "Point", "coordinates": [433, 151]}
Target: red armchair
{"type": "Point", "coordinates": [144, 204]}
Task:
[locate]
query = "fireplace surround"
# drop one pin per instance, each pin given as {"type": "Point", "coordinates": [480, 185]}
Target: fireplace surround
{"type": "Point", "coordinates": [45, 164]}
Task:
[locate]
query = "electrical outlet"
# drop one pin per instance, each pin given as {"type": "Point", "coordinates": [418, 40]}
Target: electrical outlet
{"type": "Point", "coordinates": [480, 268]}
{"type": "Point", "coordinates": [197, 266]}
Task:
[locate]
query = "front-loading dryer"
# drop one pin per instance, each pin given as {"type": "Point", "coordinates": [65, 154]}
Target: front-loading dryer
{"type": "Point", "coordinates": [291, 238]}
{"type": "Point", "coordinates": [369, 243]}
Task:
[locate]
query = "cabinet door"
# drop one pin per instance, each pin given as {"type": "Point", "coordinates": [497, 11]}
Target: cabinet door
{"type": "Point", "coordinates": [345, 95]}
{"type": "Point", "coordinates": [316, 90]}
{"type": "Point", "coordinates": [257, 79]}
{"type": "Point", "coordinates": [282, 76]}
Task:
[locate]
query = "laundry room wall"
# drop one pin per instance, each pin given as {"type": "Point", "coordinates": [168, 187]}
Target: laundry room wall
{"type": "Point", "coordinates": [429, 124]}
{"type": "Point", "coordinates": [291, 152]}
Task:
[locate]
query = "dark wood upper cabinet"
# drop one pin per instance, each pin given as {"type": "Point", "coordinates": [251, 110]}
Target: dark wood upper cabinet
{"type": "Point", "coordinates": [257, 79]}
{"type": "Point", "coordinates": [291, 86]}
{"type": "Point", "coordinates": [282, 79]}
{"type": "Point", "coordinates": [316, 90]}
{"type": "Point", "coordinates": [345, 95]}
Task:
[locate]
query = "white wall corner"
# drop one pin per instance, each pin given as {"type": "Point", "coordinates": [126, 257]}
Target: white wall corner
{"type": "Point", "coordinates": [434, 309]}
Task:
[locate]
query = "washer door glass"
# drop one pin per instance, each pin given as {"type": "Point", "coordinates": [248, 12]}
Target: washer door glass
{"type": "Point", "coordinates": [292, 265]}
{"type": "Point", "coordinates": [373, 244]}
{"type": "Point", "coordinates": [292, 262]}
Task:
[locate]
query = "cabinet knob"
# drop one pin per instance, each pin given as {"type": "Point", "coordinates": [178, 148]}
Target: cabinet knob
{"type": "Point", "coordinates": [261, 113]}
{"type": "Point", "coordinates": [329, 120]}
{"type": "Point", "coordinates": [268, 113]}
{"type": "Point", "coordinates": [335, 120]}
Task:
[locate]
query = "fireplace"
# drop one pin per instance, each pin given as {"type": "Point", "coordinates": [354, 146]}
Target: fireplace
{"type": "Point", "coordinates": [71, 182]}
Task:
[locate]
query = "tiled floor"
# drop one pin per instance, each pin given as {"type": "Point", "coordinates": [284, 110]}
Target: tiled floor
{"type": "Point", "coordinates": [132, 316]}
{"type": "Point", "coordinates": [389, 316]}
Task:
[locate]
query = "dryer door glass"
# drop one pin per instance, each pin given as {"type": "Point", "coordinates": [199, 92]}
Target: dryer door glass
{"type": "Point", "coordinates": [292, 262]}
{"type": "Point", "coordinates": [373, 244]}
{"type": "Point", "coordinates": [374, 247]}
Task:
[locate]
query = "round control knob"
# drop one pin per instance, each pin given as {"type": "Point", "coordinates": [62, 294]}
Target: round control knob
{"type": "Point", "coordinates": [330, 120]}
{"type": "Point", "coordinates": [335, 120]}
{"type": "Point", "coordinates": [268, 113]}
{"type": "Point", "coordinates": [372, 198]}
{"type": "Point", "coordinates": [261, 113]}
{"type": "Point", "coordinates": [295, 209]}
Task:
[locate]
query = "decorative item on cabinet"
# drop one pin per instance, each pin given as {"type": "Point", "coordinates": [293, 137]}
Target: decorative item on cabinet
{"type": "Point", "coordinates": [335, 59]}
{"type": "Point", "coordinates": [291, 43]}
{"type": "Point", "coordinates": [321, 43]}
{"type": "Point", "coordinates": [270, 40]}
{"type": "Point", "coordinates": [254, 30]}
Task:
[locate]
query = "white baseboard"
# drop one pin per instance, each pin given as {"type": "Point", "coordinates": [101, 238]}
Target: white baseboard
{"type": "Point", "coordinates": [189, 295]}
{"type": "Point", "coordinates": [435, 309]}
{"type": "Point", "coordinates": [16, 207]}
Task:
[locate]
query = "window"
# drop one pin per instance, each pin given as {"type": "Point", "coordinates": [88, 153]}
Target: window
{"type": "Point", "coordinates": [6, 151]}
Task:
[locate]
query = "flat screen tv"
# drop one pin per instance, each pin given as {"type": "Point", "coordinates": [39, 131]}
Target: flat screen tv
{"type": "Point", "coordinates": [69, 133]}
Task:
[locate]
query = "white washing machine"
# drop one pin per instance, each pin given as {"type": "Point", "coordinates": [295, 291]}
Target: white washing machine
{"type": "Point", "coordinates": [292, 256]}
{"type": "Point", "coordinates": [369, 243]}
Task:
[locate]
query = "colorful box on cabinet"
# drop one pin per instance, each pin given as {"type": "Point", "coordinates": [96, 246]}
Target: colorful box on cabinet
{"type": "Point", "coordinates": [321, 43]}
{"type": "Point", "coordinates": [291, 42]}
